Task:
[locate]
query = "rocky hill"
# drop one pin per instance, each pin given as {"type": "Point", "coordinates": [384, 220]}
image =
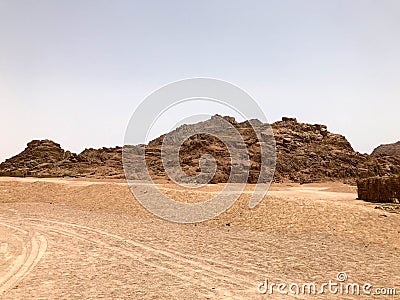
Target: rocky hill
{"type": "Point", "coordinates": [45, 158]}
{"type": "Point", "coordinates": [387, 150]}
{"type": "Point", "coordinates": [305, 153]}
{"type": "Point", "coordinates": [309, 153]}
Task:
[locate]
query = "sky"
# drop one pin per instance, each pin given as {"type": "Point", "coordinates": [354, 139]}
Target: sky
{"type": "Point", "coordinates": [75, 71]}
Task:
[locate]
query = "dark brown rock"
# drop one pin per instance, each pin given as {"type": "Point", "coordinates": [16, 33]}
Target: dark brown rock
{"type": "Point", "coordinates": [379, 189]}
{"type": "Point", "coordinates": [387, 150]}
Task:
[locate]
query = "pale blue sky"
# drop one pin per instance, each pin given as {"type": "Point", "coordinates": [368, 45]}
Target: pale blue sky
{"type": "Point", "coordinates": [74, 71]}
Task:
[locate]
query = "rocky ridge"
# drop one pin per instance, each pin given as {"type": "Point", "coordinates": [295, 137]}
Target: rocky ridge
{"type": "Point", "coordinates": [45, 158]}
{"type": "Point", "coordinates": [305, 153]}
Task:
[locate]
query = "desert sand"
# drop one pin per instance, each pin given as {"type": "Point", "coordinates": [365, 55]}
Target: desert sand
{"type": "Point", "coordinates": [70, 238]}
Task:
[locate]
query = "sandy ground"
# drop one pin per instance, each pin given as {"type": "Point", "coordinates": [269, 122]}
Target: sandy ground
{"type": "Point", "coordinates": [80, 239]}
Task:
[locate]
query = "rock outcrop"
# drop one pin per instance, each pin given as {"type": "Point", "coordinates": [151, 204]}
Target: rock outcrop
{"type": "Point", "coordinates": [380, 189]}
{"type": "Point", "coordinates": [45, 158]}
{"type": "Point", "coordinates": [387, 150]}
{"type": "Point", "coordinates": [305, 153]}
{"type": "Point", "coordinates": [38, 156]}
{"type": "Point", "coordinates": [310, 153]}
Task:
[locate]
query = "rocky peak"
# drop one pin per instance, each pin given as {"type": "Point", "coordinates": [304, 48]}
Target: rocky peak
{"type": "Point", "coordinates": [290, 120]}
{"type": "Point", "coordinates": [387, 150]}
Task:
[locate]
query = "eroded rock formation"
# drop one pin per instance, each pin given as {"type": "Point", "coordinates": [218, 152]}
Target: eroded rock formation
{"type": "Point", "coordinates": [305, 153]}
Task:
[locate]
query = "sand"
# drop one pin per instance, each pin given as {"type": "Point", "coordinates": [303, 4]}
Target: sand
{"type": "Point", "coordinates": [75, 239]}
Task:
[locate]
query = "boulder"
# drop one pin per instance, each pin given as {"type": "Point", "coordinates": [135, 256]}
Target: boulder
{"type": "Point", "coordinates": [379, 189]}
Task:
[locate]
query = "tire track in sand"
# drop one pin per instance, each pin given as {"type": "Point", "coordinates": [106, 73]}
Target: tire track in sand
{"type": "Point", "coordinates": [173, 261]}
{"type": "Point", "coordinates": [32, 251]}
